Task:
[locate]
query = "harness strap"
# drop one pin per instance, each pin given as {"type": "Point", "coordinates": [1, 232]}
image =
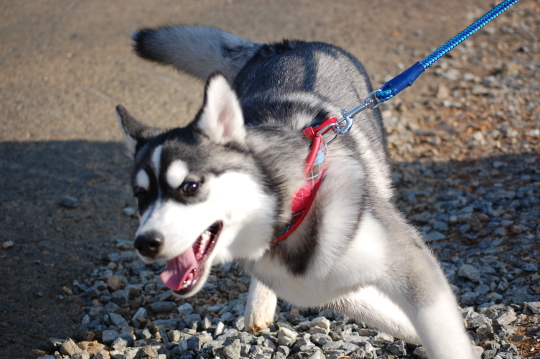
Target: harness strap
{"type": "Point", "coordinates": [314, 169]}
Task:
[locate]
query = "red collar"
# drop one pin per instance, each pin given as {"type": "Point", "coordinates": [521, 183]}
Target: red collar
{"type": "Point", "coordinates": [303, 198]}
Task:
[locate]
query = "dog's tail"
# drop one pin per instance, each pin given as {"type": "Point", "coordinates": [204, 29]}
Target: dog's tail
{"type": "Point", "coordinates": [196, 50]}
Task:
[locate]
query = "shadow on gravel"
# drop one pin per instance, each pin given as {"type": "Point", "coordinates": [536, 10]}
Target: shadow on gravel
{"type": "Point", "coordinates": [53, 244]}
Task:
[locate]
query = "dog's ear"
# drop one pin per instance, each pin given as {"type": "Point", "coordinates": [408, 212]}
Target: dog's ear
{"type": "Point", "coordinates": [221, 117]}
{"type": "Point", "coordinates": [135, 133]}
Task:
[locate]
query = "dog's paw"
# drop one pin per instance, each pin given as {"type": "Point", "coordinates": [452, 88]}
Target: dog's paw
{"type": "Point", "coordinates": [260, 308]}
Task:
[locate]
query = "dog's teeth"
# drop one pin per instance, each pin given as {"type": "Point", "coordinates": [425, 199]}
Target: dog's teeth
{"type": "Point", "coordinates": [187, 283]}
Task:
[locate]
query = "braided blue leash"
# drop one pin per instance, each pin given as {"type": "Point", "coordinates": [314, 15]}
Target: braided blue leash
{"type": "Point", "coordinates": [407, 77]}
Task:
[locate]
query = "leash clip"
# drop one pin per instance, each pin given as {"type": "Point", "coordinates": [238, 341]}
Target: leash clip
{"type": "Point", "coordinates": [371, 101]}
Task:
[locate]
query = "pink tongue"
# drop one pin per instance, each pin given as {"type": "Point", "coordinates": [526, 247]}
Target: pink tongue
{"type": "Point", "coordinates": [178, 269]}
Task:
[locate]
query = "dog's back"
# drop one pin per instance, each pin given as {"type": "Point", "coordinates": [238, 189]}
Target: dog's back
{"type": "Point", "coordinates": [277, 82]}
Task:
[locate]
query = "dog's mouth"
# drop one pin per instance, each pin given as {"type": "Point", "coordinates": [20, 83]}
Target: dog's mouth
{"type": "Point", "coordinates": [182, 274]}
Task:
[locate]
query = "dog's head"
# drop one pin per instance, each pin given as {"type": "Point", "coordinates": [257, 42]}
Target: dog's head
{"type": "Point", "coordinates": [202, 198]}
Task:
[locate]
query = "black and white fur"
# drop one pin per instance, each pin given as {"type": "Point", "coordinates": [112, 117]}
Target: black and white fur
{"type": "Point", "coordinates": [240, 161]}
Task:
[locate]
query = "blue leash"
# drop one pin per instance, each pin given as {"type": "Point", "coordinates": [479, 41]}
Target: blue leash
{"type": "Point", "coordinates": [407, 77]}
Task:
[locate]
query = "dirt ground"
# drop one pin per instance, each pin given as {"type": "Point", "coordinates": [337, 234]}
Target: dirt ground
{"type": "Point", "coordinates": [67, 63]}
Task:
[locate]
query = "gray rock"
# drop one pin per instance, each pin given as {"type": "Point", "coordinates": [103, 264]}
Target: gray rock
{"type": "Point", "coordinates": [102, 354]}
{"type": "Point", "coordinates": [482, 289]}
{"type": "Point", "coordinates": [316, 330]}
{"type": "Point", "coordinates": [245, 349]}
{"type": "Point", "coordinates": [163, 307]}
{"type": "Point", "coordinates": [118, 320]}
{"type": "Point", "coordinates": [333, 345]}
{"type": "Point", "coordinates": [163, 335]}
{"type": "Point", "coordinates": [331, 354]}
{"type": "Point", "coordinates": [470, 272]}
{"type": "Point", "coordinates": [120, 297]}
{"type": "Point", "coordinates": [69, 202]}
{"type": "Point", "coordinates": [476, 320]}
{"type": "Point", "coordinates": [53, 344]}
{"type": "Point", "coordinates": [469, 298]}
{"type": "Point", "coordinates": [219, 329]}
{"type": "Point", "coordinates": [167, 323]}
{"type": "Point", "coordinates": [295, 319]}
{"type": "Point", "coordinates": [174, 336]}
{"type": "Point", "coordinates": [317, 355]}
{"type": "Point", "coordinates": [215, 308]}
{"type": "Point", "coordinates": [534, 307]}
{"type": "Point", "coordinates": [182, 345]}
{"type": "Point", "coordinates": [206, 323]}
{"type": "Point", "coordinates": [188, 319]}
{"type": "Point", "coordinates": [109, 336]}
{"type": "Point", "coordinates": [227, 317]}
{"type": "Point", "coordinates": [398, 347]}
{"type": "Point", "coordinates": [82, 355]}
{"type": "Point", "coordinates": [163, 297]}
{"type": "Point", "coordinates": [434, 236]}
{"type": "Point", "coordinates": [149, 351]}
{"type": "Point", "coordinates": [239, 323]}
{"type": "Point", "coordinates": [283, 350]}
{"type": "Point", "coordinates": [320, 339]}
{"type": "Point", "coordinates": [119, 344]}
{"type": "Point", "coordinates": [533, 328]}
{"type": "Point", "coordinates": [521, 295]}
{"type": "Point", "coordinates": [114, 308]}
{"type": "Point", "coordinates": [530, 267]}
{"type": "Point", "coordinates": [194, 343]}
{"type": "Point", "coordinates": [382, 339]}
{"type": "Point", "coordinates": [356, 339]}
{"type": "Point", "coordinates": [440, 226]}
{"type": "Point", "coordinates": [420, 353]}
{"type": "Point", "coordinates": [134, 290]}
{"type": "Point", "coordinates": [506, 318]}
{"type": "Point", "coordinates": [69, 347]}
{"type": "Point", "coordinates": [232, 351]}
{"type": "Point", "coordinates": [327, 313]}
{"type": "Point", "coordinates": [320, 322]}
{"type": "Point", "coordinates": [490, 354]}
{"type": "Point", "coordinates": [349, 347]}
{"type": "Point", "coordinates": [185, 309]}
{"type": "Point", "coordinates": [485, 330]}
{"type": "Point", "coordinates": [303, 345]}
{"type": "Point", "coordinates": [140, 318]}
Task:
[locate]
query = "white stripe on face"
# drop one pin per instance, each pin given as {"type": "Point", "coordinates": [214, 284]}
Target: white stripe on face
{"type": "Point", "coordinates": [142, 180]}
{"type": "Point", "coordinates": [176, 173]}
{"type": "Point", "coordinates": [156, 160]}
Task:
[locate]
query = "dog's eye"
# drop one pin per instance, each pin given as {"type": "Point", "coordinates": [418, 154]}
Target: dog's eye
{"type": "Point", "coordinates": [189, 187]}
{"type": "Point", "coordinates": [140, 193]}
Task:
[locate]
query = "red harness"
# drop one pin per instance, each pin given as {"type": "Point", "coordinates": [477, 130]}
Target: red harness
{"type": "Point", "coordinates": [303, 198]}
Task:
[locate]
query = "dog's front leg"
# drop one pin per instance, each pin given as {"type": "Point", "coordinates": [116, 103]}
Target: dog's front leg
{"type": "Point", "coordinates": [260, 308]}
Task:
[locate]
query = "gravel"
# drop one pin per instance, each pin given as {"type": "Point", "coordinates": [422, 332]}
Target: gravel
{"type": "Point", "coordinates": [467, 174]}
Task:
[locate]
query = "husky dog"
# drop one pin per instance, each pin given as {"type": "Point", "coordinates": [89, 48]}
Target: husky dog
{"type": "Point", "coordinates": [220, 189]}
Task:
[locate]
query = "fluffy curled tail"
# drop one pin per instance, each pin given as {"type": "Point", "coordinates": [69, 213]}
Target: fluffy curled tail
{"type": "Point", "coordinates": [196, 50]}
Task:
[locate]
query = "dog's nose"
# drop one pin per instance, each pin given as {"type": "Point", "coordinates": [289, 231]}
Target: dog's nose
{"type": "Point", "coordinates": [149, 244]}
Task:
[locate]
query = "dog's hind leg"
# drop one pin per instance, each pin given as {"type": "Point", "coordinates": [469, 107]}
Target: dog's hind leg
{"type": "Point", "coordinates": [260, 308]}
{"type": "Point", "coordinates": [418, 286]}
{"type": "Point", "coordinates": [438, 323]}
{"type": "Point", "coordinates": [373, 308]}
